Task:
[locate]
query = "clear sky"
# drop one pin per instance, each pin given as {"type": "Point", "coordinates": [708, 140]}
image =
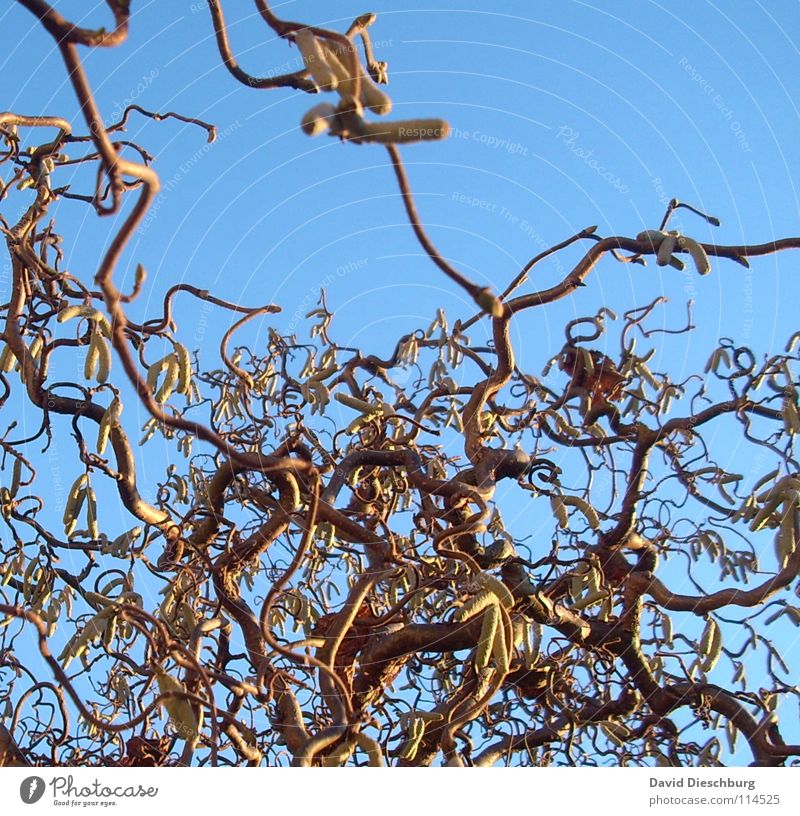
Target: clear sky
{"type": "Point", "coordinates": [563, 115]}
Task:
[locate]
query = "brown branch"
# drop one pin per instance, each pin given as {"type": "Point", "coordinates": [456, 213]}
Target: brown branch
{"type": "Point", "coordinates": [648, 584]}
{"type": "Point", "coordinates": [482, 295]}
{"type": "Point", "coordinates": [64, 31]}
{"type": "Point", "coordinates": [297, 80]}
{"type": "Point", "coordinates": [589, 261]}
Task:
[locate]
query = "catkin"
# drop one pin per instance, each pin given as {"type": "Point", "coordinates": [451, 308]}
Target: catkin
{"type": "Point", "coordinates": [315, 60]}
{"type": "Point", "coordinates": [491, 622]}
{"type": "Point", "coordinates": [665, 250]}
{"type": "Point", "coordinates": [495, 585]}
{"type": "Point", "coordinates": [475, 606]}
{"type": "Point", "coordinates": [180, 710]}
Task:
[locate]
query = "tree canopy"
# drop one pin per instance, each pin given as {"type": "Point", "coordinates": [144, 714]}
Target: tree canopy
{"type": "Point", "coordinates": [441, 556]}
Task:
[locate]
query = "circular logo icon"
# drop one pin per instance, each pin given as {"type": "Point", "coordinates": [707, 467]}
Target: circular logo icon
{"type": "Point", "coordinates": [31, 789]}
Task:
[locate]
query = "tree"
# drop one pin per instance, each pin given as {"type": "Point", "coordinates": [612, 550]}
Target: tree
{"type": "Point", "coordinates": [356, 596]}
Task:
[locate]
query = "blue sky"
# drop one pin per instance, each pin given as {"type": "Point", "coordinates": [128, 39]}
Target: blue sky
{"type": "Point", "coordinates": [563, 115]}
